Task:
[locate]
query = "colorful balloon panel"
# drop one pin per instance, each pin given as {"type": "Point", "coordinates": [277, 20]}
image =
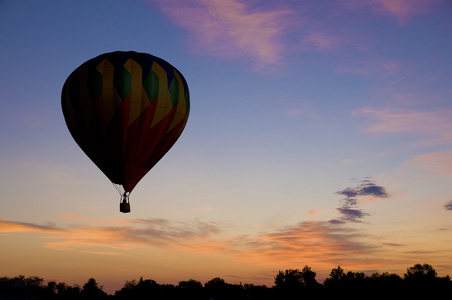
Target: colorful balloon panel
{"type": "Point", "coordinates": [125, 110]}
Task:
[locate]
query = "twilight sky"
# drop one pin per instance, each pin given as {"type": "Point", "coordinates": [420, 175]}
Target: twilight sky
{"type": "Point", "coordinates": [320, 134]}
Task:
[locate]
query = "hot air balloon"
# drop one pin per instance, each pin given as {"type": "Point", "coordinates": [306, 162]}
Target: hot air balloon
{"type": "Point", "coordinates": [125, 110]}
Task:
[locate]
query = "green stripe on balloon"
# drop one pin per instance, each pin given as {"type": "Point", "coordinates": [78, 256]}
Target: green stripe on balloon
{"type": "Point", "coordinates": [122, 82]}
{"type": "Point", "coordinates": [151, 85]}
{"type": "Point", "coordinates": [173, 90]}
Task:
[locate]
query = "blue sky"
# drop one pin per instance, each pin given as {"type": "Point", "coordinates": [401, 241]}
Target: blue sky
{"type": "Point", "coordinates": [319, 134]}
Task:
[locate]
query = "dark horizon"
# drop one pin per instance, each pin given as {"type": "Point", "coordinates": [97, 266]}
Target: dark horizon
{"type": "Point", "coordinates": [419, 279]}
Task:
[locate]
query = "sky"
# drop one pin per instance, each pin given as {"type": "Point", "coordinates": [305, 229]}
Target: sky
{"type": "Point", "coordinates": [320, 134]}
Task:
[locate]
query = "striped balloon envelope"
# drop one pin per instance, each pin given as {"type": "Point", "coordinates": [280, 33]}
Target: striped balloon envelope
{"type": "Point", "coordinates": [125, 110]}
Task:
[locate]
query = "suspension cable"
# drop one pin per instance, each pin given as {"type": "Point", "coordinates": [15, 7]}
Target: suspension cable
{"type": "Point", "coordinates": [118, 188]}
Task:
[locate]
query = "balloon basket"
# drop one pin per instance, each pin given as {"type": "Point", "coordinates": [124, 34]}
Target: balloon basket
{"type": "Point", "coordinates": [124, 207]}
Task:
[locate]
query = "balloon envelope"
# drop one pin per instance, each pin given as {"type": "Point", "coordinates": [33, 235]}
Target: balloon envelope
{"type": "Point", "coordinates": [125, 110]}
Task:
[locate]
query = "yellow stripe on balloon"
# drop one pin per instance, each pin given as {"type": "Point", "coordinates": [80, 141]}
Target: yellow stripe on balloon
{"type": "Point", "coordinates": [108, 90]}
{"type": "Point", "coordinates": [163, 95]}
{"type": "Point", "coordinates": [136, 106]}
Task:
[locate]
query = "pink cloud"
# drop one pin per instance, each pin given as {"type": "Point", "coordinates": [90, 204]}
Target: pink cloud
{"type": "Point", "coordinates": [402, 10]}
{"type": "Point", "coordinates": [434, 124]}
{"type": "Point", "coordinates": [313, 212]}
{"type": "Point", "coordinates": [229, 28]}
{"type": "Point", "coordinates": [437, 164]}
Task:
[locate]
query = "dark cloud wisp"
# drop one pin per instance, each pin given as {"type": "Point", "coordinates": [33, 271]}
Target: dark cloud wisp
{"type": "Point", "coordinates": [366, 188]}
{"type": "Point", "coordinates": [448, 205]}
{"type": "Point", "coordinates": [349, 210]}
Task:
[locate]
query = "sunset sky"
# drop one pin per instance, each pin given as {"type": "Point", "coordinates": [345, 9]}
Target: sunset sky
{"type": "Point", "coordinates": [320, 134]}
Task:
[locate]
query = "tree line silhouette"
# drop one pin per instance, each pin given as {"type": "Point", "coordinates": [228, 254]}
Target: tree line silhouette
{"type": "Point", "coordinates": [419, 282]}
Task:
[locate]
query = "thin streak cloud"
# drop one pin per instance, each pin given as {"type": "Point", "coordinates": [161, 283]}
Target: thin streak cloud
{"type": "Point", "coordinates": [321, 243]}
{"type": "Point", "coordinates": [434, 164]}
{"type": "Point", "coordinates": [434, 124]}
{"type": "Point", "coordinates": [130, 235]}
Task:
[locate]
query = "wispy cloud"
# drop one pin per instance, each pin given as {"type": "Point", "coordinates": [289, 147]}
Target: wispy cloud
{"type": "Point", "coordinates": [433, 164]}
{"type": "Point", "coordinates": [350, 213]}
{"type": "Point", "coordinates": [349, 210]}
{"type": "Point", "coordinates": [366, 188]}
{"type": "Point", "coordinates": [10, 227]}
{"type": "Point", "coordinates": [230, 28]}
{"type": "Point", "coordinates": [127, 235]}
{"type": "Point", "coordinates": [434, 124]}
{"type": "Point", "coordinates": [318, 241]}
{"type": "Point", "coordinates": [240, 29]}
{"type": "Point", "coordinates": [448, 205]}
{"type": "Point", "coordinates": [401, 10]}
{"type": "Point", "coordinates": [313, 212]}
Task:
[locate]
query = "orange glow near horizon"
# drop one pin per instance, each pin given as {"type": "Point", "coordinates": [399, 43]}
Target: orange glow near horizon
{"type": "Point", "coordinates": [320, 134]}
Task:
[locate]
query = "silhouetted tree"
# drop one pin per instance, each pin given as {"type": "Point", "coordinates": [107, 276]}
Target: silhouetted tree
{"type": "Point", "coordinates": [130, 284]}
{"type": "Point", "coordinates": [190, 289]}
{"type": "Point", "coordinates": [72, 292]}
{"type": "Point", "coordinates": [216, 282]}
{"type": "Point", "coordinates": [384, 284]}
{"type": "Point", "coordinates": [290, 279]}
{"type": "Point", "coordinates": [218, 289]}
{"type": "Point", "coordinates": [289, 284]}
{"type": "Point", "coordinates": [33, 280]}
{"type": "Point", "coordinates": [336, 278]}
{"type": "Point", "coordinates": [21, 287]}
{"type": "Point", "coordinates": [190, 284]}
{"type": "Point", "coordinates": [308, 276]}
{"type": "Point", "coordinates": [50, 290]}
{"type": "Point", "coordinates": [386, 277]}
{"type": "Point", "coordinates": [260, 292]}
{"type": "Point", "coordinates": [422, 280]}
{"type": "Point", "coordinates": [91, 290]}
{"type": "Point", "coordinates": [145, 289]}
{"type": "Point", "coordinates": [420, 272]}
